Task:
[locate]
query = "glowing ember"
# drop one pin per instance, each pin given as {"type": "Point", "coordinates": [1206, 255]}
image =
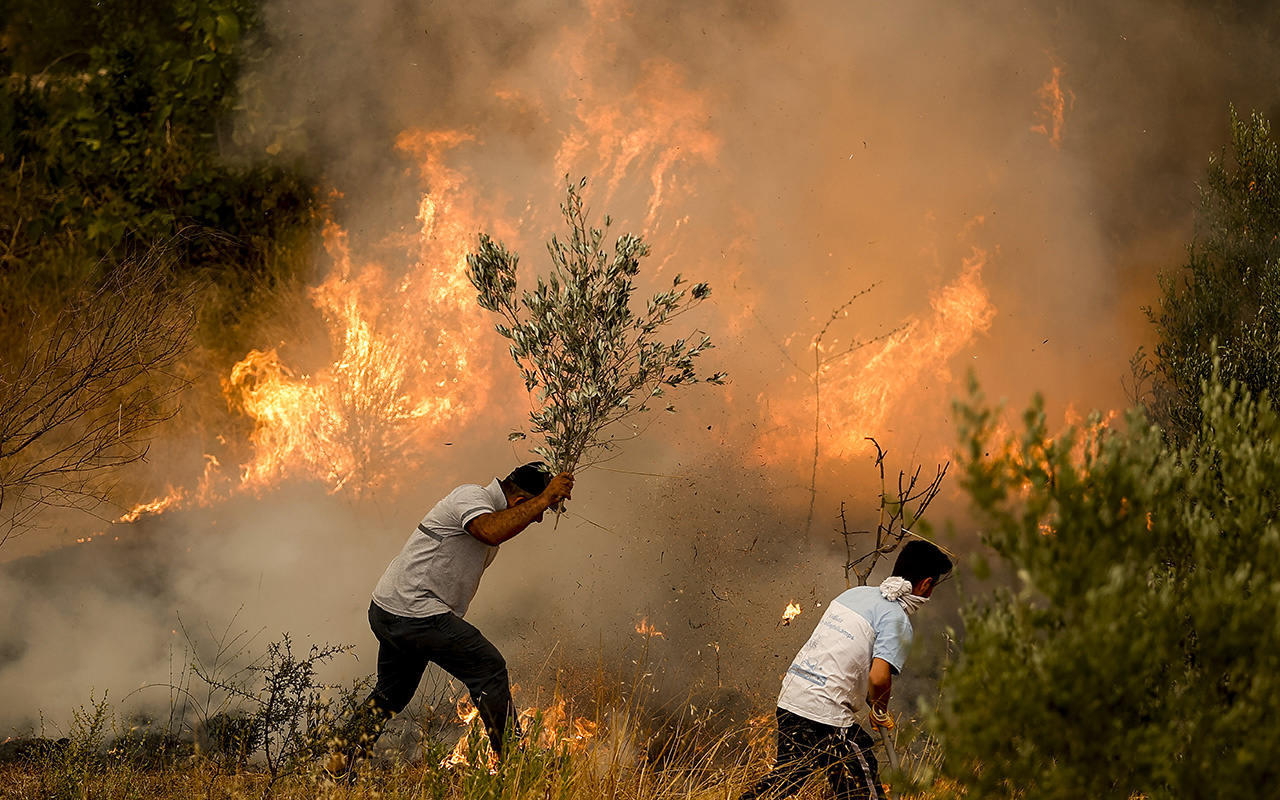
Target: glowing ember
{"type": "Point", "coordinates": [1054, 102]}
{"type": "Point", "coordinates": [793, 611]}
{"type": "Point", "coordinates": [645, 629]}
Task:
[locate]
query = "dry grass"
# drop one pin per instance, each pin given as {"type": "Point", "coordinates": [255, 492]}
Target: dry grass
{"type": "Point", "coordinates": [603, 768]}
{"type": "Point", "coordinates": [610, 766]}
{"type": "Point", "coordinates": [705, 745]}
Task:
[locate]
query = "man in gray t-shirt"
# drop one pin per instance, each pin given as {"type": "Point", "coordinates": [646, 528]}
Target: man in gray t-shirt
{"type": "Point", "coordinates": [419, 603]}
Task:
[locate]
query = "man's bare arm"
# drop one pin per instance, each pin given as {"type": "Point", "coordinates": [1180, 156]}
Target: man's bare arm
{"type": "Point", "coordinates": [497, 527]}
{"type": "Point", "coordinates": [880, 681]}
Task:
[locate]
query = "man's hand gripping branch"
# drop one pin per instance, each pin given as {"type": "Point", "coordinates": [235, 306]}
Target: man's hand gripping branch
{"type": "Point", "coordinates": [495, 528]}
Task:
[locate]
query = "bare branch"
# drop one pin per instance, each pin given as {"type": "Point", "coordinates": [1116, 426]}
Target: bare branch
{"type": "Point", "coordinates": [898, 512]}
{"type": "Point", "coordinates": [85, 388]}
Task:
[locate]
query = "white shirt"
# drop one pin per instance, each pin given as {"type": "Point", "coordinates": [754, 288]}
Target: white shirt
{"type": "Point", "coordinates": [828, 679]}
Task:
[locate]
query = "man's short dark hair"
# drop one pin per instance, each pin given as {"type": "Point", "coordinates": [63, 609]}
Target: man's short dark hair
{"type": "Point", "coordinates": [919, 560]}
{"type": "Point", "coordinates": [530, 478]}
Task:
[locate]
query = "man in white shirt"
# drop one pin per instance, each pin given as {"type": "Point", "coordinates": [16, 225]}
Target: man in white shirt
{"type": "Point", "coordinates": [860, 643]}
{"type": "Point", "coordinates": [418, 605]}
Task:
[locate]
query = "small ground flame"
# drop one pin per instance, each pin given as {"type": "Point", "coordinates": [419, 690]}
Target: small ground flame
{"type": "Point", "coordinates": [157, 506]}
{"type": "Point", "coordinates": [466, 711]}
{"type": "Point", "coordinates": [793, 611]}
{"type": "Point", "coordinates": [645, 629]}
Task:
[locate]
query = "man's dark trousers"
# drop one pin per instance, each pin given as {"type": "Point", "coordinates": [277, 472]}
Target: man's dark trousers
{"type": "Point", "coordinates": [407, 644]}
{"type": "Point", "coordinates": [806, 747]}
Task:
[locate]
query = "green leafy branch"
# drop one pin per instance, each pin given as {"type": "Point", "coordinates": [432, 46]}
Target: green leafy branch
{"type": "Point", "coordinates": [585, 355]}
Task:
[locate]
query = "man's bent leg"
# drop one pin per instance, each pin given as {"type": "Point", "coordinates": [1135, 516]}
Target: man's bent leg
{"type": "Point", "coordinates": [400, 667]}
{"type": "Point", "coordinates": [474, 660]}
{"type": "Point", "coordinates": [404, 646]}
{"type": "Point", "coordinates": [797, 757]}
{"type": "Point", "coordinates": [853, 771]}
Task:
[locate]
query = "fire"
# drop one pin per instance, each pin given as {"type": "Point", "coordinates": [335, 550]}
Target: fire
{"type": "Point", "coordinates": [405, 356]}
{"type": "Point", "coordinates": [645, 629]}
{"type": "Point", "coordinates": [156, 506]}
{"type": "Point", "coordinates": [660, 122]}
{"type": "Point", "coordinates": [648, 127]}
{"type": "Point", "coordinates": [552, 728]}
{"type": "Point", "coordinates": [1055, 100]}
{"type": "Point", "coordinates": [408, 352]}
{"type": "Point", "coordinates": [857, 401]}
{"type": "Point", "coordinates": [466, 711]}
{"type": "Point", "coordinates": [460, 755]}
{"type": "Point", "coordinates": [792, 611]}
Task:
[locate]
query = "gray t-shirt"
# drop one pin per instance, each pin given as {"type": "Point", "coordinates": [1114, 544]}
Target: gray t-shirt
{"type": "Point", "coordinates": [440, 566]}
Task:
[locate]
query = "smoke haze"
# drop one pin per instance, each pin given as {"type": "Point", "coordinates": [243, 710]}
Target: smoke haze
{"type": "Point", "coordinates": [792, 154]}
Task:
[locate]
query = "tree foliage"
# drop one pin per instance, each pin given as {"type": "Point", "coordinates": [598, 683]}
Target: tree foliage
{"type": "Point", "coordinates": [1224, 304]}
{"type": "Point", "coordinates": [591, 359]}
{"type": "Point", "coordinates": [1138, 654]}
{"type": "Point", "coordinates": [115, 132]}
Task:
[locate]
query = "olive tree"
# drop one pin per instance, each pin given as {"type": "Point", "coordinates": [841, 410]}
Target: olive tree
{"type": "Point", "coordinates": [1223, 305]}
{"type": "Point", "coordinates": [1138, 652]}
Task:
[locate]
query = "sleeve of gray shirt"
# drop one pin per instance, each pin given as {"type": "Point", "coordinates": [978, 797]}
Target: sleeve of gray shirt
{"type": "Point", "coordinates": [470, 502]}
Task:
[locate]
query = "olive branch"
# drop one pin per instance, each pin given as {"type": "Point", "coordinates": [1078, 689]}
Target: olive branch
{"type": "Point", "coordinates": [587, 358]}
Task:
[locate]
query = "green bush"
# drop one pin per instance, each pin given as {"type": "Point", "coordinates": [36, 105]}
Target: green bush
{"type": "Point", "coordinates": [1139, 652]}
{"type": "Point", "coordinates": [115, 134]}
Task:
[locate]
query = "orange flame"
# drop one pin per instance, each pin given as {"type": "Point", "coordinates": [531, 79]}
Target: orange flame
{"type": "Point", "coordinates": [405, 352]}
{"type": "Point", "coordinates": [466, 711]}
{"type": "Point", "coordinates": [792, 611]}
{"type": "Point", "coordinates": [860, 399]}
{"type": "Point", "coordinates": [403, 363]}
{"type": "Point", "coordinates": [1055, 100]}
{"type": "Point", "coordinates": [645, 629]}
{"type": "Point", "coordinates": [156, 506]}
{"type": "Point", "coordinates": [660, 122]}
{"type": "Point", "coordinates": [460, 755]}
{"type": "Point", "coordinates": [553, 727]}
